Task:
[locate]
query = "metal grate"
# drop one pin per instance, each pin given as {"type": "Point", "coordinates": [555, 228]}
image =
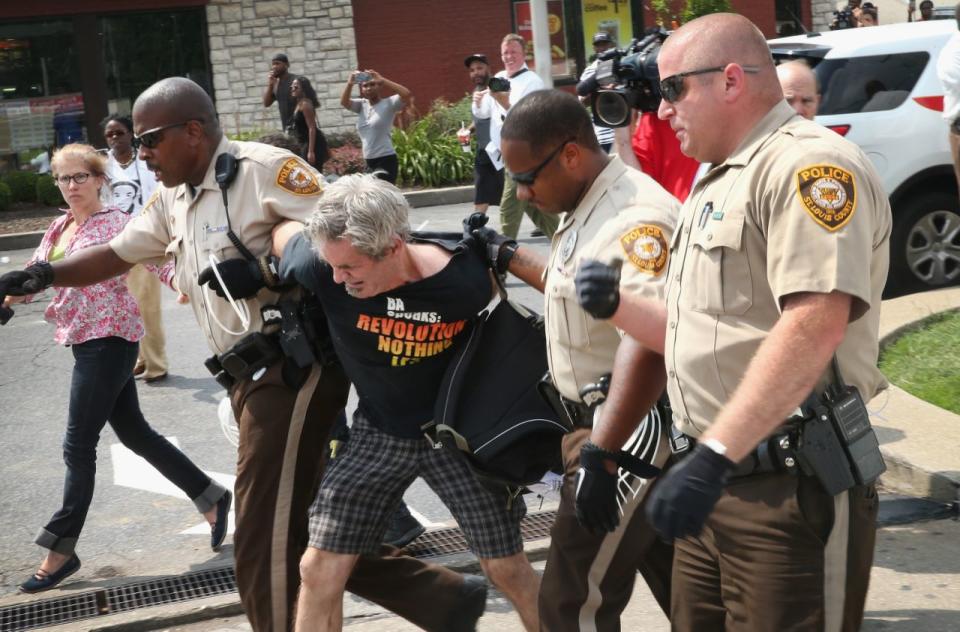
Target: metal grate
{"type": "Point", "coordinates": [209, 583]}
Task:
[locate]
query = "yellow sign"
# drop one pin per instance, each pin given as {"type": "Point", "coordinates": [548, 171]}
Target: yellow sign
{"type": "Point", "coordinates": [612, 16]}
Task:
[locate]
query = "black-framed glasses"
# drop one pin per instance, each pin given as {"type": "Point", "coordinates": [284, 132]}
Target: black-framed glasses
{"type": "Point", "coordinates": [527, 178]}
{"type": "Point", "coordinates": [673, 87]}
{"type": "Point", "coordinates": [153, 137]}
{"type": "Point", "coordinates": [79, 178]}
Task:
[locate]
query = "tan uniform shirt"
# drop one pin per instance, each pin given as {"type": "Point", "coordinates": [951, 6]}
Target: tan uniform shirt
{"type": "Point", "coordinates": [796, 208]}
{"type": "Point", "coordinates": [625, 214]}
{"type": "Point", "coordinates": [190, 224]}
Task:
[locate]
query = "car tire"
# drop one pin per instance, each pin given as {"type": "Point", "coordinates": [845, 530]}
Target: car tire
{"type": "Point", "coordinates": [925, 244]}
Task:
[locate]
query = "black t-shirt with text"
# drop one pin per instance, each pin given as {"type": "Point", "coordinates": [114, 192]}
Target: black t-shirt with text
{"type": "Point", "coordinates": [395, 347]}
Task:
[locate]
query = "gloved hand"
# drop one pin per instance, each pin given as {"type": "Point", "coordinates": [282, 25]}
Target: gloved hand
{"type": "Point", "coordinates": [243, 278]}
{"type": "Point", "coordinates": [598, 287]}
{"type": "Point", "coordinates": [680, 503]}
{"type": "Point", "coordinates": [35, 278]}
{"type": "Point", "coordinates": [498, 249]}
{"type": "Point", "coordinates": [596, 502]}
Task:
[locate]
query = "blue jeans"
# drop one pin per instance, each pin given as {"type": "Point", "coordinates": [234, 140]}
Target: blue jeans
{"type": "Point", "coordinates": [102, 389]}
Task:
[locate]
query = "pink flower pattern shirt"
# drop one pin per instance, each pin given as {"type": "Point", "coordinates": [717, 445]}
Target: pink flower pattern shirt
{"type": "Point", "coordinates": [101, 310]}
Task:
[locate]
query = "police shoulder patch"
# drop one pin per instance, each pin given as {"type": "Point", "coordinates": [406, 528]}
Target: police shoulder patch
{"type": "Point", "coordinates": [646, 248]}
{"type": "Point", "coordinates": [828, 193]}
{"type": "Point", "coordinates": [298, 178]}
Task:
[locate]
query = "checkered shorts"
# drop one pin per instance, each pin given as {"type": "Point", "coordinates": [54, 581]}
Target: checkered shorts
{"type": "Point", "coordinates": [364, 485]}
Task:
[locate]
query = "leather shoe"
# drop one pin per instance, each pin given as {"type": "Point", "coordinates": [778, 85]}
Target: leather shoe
{"type": "Point", "coordinates": [218, 530]}
{"type": "Point", "coordinates": [403, 528]}
{"type": "Point", "coordinates": [45, 581]}
{"type": "Point", "coordinates": [473, 594]}
{"type": "Point", "coordinates": [139, 369]}
{"type": "Point", "coordinates": [155, 378]}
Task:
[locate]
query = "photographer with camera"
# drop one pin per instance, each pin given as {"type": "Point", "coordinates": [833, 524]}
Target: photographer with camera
{"type": "Point", "coordinates": [510, 85]}
{"type": "Point", "coordinates": [375, 121]}
{"type": "Point", "coordinates": [279, 80]}
{"type": "Point", "coordinates": [602, 42]}
{"type": "Point", "coordinates": [487, 177]}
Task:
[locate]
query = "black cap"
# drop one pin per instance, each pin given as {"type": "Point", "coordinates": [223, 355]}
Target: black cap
{"type": "Point", "coordinates": [475, 57]}
{"type": "Point", "coordinates": [280, 57]}
{"type": "Point", "coordinates": [602, 36]}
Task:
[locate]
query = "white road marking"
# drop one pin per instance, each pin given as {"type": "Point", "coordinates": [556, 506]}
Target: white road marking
{"type": "Point", "coordinates": [421, 226]}
{"type": "Point", "coordinates": [130, 470]}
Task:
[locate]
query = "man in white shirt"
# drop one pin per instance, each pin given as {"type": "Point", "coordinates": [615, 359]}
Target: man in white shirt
{"type": "Point", "coordinates": [495, 104]}
{"type": "Point", "coordinates": [948, 70]}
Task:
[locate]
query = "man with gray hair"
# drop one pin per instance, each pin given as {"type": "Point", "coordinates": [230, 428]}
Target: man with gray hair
{"type": "Point", "coordinates": [399, 309]}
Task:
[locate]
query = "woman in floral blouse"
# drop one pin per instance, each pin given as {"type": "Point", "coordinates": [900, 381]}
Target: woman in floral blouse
{"type": "Point", "coordinates": [102, 326]}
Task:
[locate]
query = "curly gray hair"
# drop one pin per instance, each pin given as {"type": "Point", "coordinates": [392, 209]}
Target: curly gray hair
{"type": "Point", "coordinates": [368, 210]}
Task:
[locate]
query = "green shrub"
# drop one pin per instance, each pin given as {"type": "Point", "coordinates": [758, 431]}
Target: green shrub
{"type": "Point", "coordinates": [5, 197]}
{"type": "Point", "coordinates": [249, 135]}
{"type": "Point", "coordinates": [23, 185]}
{"type": "Point", "coordinates": [342, 139]}
{"type": "Point", "coordinates": [698, 8]}
{"type": "Point", "coordinates": [428, 151]}
{"type": "Point", "coordinates": [48, 193]}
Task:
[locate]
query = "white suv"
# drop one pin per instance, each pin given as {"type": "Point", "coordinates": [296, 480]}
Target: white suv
{"type": "Point", "coordinates": [880, 90]}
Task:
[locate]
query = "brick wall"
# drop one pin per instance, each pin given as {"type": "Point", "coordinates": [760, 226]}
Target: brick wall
{"type": "Point", "coordinates": [317, 36]}
{"type": "Point", "coordinates": [422, 43]}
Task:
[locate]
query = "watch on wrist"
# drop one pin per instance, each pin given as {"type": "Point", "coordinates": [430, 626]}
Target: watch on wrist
{"type": "Point", "coordinates": [505, 255]}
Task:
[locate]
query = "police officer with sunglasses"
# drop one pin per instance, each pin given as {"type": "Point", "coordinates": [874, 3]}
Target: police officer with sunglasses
{"type": "Point", "coordinates": [777, 268]}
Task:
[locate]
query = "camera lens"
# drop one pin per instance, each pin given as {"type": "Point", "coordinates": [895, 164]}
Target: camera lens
{"type": "Point", "coordinates": [612, 108]}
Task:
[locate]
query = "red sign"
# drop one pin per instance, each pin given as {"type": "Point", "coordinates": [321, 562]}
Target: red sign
{"type": "Point", "coordinates": [558, 37]}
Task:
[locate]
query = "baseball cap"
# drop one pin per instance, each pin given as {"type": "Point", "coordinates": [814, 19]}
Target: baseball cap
{"type": "Point", "coordinates": [475, 57]}
{"type": "Point", "coordinates": [280, 57]}
{"type": "Point", "coordinates": [602, 36]}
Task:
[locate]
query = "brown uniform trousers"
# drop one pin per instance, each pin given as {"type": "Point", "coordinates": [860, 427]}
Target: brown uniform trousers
{"type": "Point", "coordinates": [777, 554]}
{"type": "Point", "coordinates": [610, 561]}
{"type": "Point", "coordinates": [145, 288]}
{"type": "Point", "coordinates": [283, 437]}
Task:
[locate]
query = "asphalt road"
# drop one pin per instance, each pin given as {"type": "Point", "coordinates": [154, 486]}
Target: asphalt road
{"type": "Point", "coordinates": [139, 526]}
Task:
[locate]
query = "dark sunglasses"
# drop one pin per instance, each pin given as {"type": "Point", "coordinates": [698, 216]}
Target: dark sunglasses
{"type": "Point", "coordinates": [151, 138]}
{"type": "Point", "coordinates": [526, 178]}
{"type": "Point", "coordinates": [673, 87]}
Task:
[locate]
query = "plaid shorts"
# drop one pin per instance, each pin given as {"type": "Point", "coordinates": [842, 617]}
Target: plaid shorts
{"type": "Point", "coordinates": [364, 485]}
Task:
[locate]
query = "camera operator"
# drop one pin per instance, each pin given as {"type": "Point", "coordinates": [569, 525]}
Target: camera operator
{"type": "Point", "coordinates": [487, 177]}
{"type": "Point", "coordinates": [847, 16]}
{"type": "Point", "coordinates": [602, 42]}
{"type": "Point", "coordinates": [375, 119]}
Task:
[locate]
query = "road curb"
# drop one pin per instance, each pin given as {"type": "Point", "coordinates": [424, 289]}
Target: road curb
{"type": "Point", "coordinates": [416, 199]}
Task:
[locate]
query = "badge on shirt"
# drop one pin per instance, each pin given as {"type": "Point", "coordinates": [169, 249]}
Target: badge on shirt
{"type": "Point", "coordinates": [646, 248]}
{"type": "Point", "coordinates": [295, 176]}
{"type": "Point", "coordinates": [828, 193]}
{"type": "Point", "coordinates": [569, 243]}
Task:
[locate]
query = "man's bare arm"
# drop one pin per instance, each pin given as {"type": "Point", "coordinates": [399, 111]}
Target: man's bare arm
{"type": "Point", "coordinates": [643, 319]}
{"type": "Point", "coordinates": [282, 234]}
{"type": "Point", "coordinates": [636, 384]}
{"type": "Point", "coordinates": [528, 266]}
{"type": "Point", "coordinates": [89, 266]}
{"type": "Point", "coordinates": [811, 327]}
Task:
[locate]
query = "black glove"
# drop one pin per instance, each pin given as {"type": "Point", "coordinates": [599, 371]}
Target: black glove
{"type": "Point", "coordinates": [243, 278]}
{"type": "Point", "coordinates": [598, 287]}
{"type": "Point", "coordinates": [35, 278]}
{"type": "Point", "coordinates": [680, 503]}
{"type": "Point", "coordinates": [596, 502]}
{"type": "Point", "coordinates": [496, 248]}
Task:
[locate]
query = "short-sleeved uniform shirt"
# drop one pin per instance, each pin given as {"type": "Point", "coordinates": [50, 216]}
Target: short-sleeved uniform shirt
{"type": "Point", "coordinates": [795, 208]}
{"type": "Point", "coordinates": [374, 124]}
{"type": "Point", "coordinates": [395, 347]}
{"type": "Point", "coordinates": [190, 224]}
{"type": "Point", "coordinates": [624, 215]}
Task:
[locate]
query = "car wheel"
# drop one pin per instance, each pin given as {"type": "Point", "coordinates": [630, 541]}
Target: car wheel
{"type": "Point", "coordinates": [925, 244]}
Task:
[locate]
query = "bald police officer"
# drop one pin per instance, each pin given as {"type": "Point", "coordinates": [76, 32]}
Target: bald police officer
{"type": "Point", "coordinates": [612, 212]}
{"type": "Point", "coordinates": [778, 264]}
{"type": "Point", "coordinates": [284, 412]}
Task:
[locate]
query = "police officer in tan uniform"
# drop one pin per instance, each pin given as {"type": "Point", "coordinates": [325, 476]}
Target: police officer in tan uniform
{"type": "Point", "coordinates": [611, 212]}
{"type": "Point", "coordinates": [778, 264]}
{"type": "Point", "coordinates": [284, 412]}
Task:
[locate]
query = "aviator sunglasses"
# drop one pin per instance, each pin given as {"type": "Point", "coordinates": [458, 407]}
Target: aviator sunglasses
{"type": "Point", "coordinates": [526, 178]}
{"type": "Point", "coordinates": [151, 138]}
{"type": "Point", "coordinates": [673, 87]}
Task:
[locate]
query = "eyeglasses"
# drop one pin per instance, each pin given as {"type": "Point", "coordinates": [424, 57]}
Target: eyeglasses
{"type": "Point", "coordinates": [79, 178]}
{"type": "Point", "coordinates": [151, 138]}
{"type": "Point", "coordinates": [673, 87]}
{"type": "Point", "coordinates": [526, 178]}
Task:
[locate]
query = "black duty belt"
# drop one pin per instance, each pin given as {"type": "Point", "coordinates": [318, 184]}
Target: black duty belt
{"type": "Point", "coordinates": [777, 453]}
{"type": "Point", "coordinates": [581, 415]}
